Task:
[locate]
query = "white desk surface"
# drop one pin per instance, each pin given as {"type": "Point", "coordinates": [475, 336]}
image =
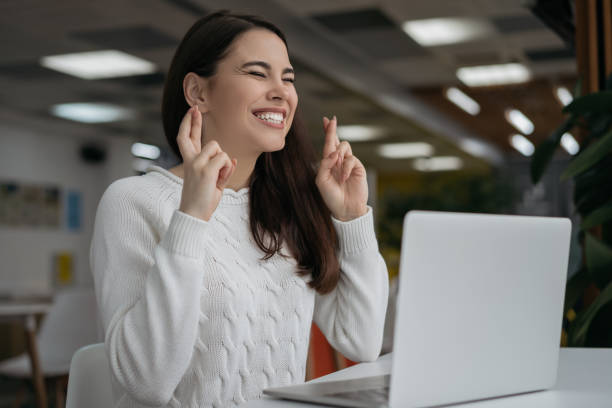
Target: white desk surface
{"type": "Point", "coordinates": [584, 380]}
{"type": "Point", "coordinates": [8, 308]}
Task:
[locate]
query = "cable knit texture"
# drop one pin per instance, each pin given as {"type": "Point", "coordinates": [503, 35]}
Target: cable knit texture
{"type": "Point", "coordinates": [194, 318]}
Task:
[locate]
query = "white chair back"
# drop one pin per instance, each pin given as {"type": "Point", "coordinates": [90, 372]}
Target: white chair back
{"type": "Point", "coordinates": [89, 383]}
{"type": "Point", "coordinates": [70, 325]}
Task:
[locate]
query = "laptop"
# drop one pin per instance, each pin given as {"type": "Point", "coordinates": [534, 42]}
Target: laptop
{"type": "Point", "coordinates": [479, 313]}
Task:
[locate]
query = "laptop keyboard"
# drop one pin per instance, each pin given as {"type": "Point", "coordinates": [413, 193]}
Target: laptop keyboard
{"type": "Point", "coordinates": [371, 395]}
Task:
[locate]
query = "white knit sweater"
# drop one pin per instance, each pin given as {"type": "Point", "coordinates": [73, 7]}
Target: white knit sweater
{"type": "Point", "coordinates": [194, 318]}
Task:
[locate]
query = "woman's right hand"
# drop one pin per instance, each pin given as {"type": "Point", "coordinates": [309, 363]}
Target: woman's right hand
{"type": "Point", "coordinates": [206, 169]}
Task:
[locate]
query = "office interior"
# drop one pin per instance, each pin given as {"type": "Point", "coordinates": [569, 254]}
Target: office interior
{"type": "Point", "coordinates": [445, 102]}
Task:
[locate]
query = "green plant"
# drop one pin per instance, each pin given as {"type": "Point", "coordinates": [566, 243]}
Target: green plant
{"type": "Point", "coordinates": [588, 300]}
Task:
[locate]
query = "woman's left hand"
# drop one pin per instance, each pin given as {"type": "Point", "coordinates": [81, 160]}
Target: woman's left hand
{"type": "Point", "coordinates": [341, 178]}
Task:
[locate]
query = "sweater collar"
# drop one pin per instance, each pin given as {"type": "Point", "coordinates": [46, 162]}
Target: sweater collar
{"type": "Point", "coordinates": [230, 196]}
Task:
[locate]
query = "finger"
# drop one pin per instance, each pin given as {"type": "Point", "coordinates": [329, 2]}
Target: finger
{"type": "Point", "coordinates": [344, 150]}
{"type": "Point", "coordinates": [196, 129]}
{"type": "Point", "coordinates": [218, 163]}
{"type": "Point", "coordinates": [328, 162]}
{"type": "Point", "coordinates": [349, 164]}
{"type": "Point", "coordinates": [325, 122]}
{"type": "Point", "coordinates": [209, 150]}
{"type": "Point", "coordinates": [335, 121]}
{"type": "Point", "coordinates": [226, 173]}
{"type": "Point", "coordinates": [330, 138]}
{"type": "Point", "coordinates": [183, 140]}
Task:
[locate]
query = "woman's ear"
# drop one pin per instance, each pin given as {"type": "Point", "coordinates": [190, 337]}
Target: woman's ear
{"type": "Point", "coordinates": [194, 89]}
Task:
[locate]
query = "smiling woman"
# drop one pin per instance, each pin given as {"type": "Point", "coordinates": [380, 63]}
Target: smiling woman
{"type": "Point", "coordinates": [209, 275]}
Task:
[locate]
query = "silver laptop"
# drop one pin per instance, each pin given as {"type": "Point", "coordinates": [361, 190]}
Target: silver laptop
{"type": "Point", "coordinates": [479, 313]}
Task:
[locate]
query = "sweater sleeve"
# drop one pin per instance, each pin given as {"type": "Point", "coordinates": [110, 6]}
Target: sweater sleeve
{"type": "Point", "coordinates": [148, 290]}
{"type": "Point", "coordinates": [352, 316]}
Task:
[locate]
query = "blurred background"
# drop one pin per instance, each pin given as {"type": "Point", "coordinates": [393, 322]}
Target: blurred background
{"type": "Point", "coordinates": [443, 101]}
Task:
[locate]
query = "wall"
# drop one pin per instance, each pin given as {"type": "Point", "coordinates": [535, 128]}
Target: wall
{"type": "Point", "coordinates": [37, 158]}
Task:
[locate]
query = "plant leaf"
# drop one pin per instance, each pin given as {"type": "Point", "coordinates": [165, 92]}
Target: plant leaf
{"type": "Point", "coordinates": [545, 150]}
{"type": "Point", "coordinates": [597, 217]}
{"type": "Point", "coordinates": [598, 260]}
{"type": "Point", "coordinates": [598, 102]}
{"type": "Point", "coordinates": [609, 82]}
{"type": "Point", "coordinates": [588, 157]}
{"type": "Point", "coordinates": [580, 326]}
{"type": "Point", "coordinates": [574, 289]}
{"type": "Point", "coordinates": [578, 88]}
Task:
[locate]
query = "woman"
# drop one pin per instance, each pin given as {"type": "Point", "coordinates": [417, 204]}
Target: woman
{"type": "Point", "coordinates": [208, 276]}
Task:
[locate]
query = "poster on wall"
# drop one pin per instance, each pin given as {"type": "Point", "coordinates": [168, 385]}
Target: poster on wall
{"type": "Point", "coordinates": [29, 205]}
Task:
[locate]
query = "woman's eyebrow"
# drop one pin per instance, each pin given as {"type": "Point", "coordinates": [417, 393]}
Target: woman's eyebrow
{"type": "Point", "coordinates": [265, 65]}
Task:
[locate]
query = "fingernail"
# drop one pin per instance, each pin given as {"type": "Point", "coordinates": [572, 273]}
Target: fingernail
{"type": "Point", "coordinates": [335, 119]}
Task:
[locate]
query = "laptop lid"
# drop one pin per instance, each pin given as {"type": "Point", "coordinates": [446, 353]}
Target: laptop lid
{"type": "Point", "coordinates": [480, 306]}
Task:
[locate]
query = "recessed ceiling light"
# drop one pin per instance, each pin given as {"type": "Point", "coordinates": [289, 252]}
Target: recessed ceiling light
{"type": "Point", "coordinates": [440, 31]}
{"type": "Point", "coordinates": [564, 95]}
{"type": "Point", "coordinates": [474, 147]}
{"type": "Point", "coordinates": [405, 150]}
{"type": "Point", "coordinates": [462, 100]}
{"type": "Point", "coordinates": [500, 74]}
{"type": "Point", "coordinates": [98, 64]}
{"type": "Point", "coordinates": [521, 122]}
{"type": "Point", "coordinates": [92, 112]}
{"type": "Point", "coordinates": [569, 143]}
{"type": "Point", "coordinates": [359, 133]}
{"type": "Point", "coordinates": [522, 144]}
{"type": "Point", "coordinates": [146, 151]}
{"type": "Point", "coordinates": [440, 163]}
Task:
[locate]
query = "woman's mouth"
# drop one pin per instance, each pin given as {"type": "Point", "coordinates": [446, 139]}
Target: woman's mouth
{"type": "Point", "coordinates": [272, 119]}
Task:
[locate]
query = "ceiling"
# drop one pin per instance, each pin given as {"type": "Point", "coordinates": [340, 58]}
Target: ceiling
{"type": "Point", "coordinates": [351, 58]}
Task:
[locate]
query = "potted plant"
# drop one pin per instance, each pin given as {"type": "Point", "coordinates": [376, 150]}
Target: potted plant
{"type": "Point", "coordinates": [588, 299]}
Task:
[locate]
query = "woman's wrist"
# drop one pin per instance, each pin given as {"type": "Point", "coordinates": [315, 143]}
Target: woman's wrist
{"type": "Point", "coordinates": [352, 215]}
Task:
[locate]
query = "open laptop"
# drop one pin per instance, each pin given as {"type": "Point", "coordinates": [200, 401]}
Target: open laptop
{"type": "Point", "coordinates": [479, 313]}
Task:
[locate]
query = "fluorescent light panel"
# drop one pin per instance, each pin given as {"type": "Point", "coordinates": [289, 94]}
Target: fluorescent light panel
{"type": "Point", "coordinates": [569, 143]}
{"type": "Point", "coordinates": [521, 122]}
{"type": "Point", "coordinates": [405, 150]}
{"type": "Point", "coordinates": [522, 144]}
{"type": "Point", "coordinates": [441, 31]}
{"type": "Point", "coordinates": [92, 112]}
{"type": "Point", "coordinates": [564, 95]}
{"type": "Point", "coordinates": [359, 133]}
{"type": "Point", "coordinates": [98, 64]}
{"type": "Point", "coordinates": [488, 75]}
{"type": "Point", "coordinates": [146, 151]}
{"type": "Point", "coordinates": [462, 101]}
{"type": "Point", "coordinates": [440, 163]}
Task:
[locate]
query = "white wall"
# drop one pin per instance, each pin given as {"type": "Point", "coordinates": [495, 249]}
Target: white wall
{"type": "Point", "coordinates": [36, 158]}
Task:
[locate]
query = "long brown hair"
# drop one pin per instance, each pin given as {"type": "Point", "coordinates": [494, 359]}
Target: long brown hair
{"type": "Point", "coordinates": [285, 204]}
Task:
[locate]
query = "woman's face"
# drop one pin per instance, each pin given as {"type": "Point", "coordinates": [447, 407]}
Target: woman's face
{"type": "Point", "coordinates": [251, 99]}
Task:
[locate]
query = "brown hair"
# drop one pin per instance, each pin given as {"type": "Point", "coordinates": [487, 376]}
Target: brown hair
{"type": "Point", "coordinates": [285, 203]}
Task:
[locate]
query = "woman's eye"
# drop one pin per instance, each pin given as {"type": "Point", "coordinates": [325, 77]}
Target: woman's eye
{"type": "Point", "coordinates": [292, 80]}
{"type": "Point", "coordinates": [259, 74]}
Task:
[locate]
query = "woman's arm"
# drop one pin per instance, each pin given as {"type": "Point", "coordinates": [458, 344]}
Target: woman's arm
{"type": "Point", "coordinates": [148, 290]}
{"type": "Point", "coordinates": [352, 316]}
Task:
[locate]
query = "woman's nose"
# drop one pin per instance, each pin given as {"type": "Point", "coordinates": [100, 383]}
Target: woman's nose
{"type": "Point", "coordinates": [278, 91]}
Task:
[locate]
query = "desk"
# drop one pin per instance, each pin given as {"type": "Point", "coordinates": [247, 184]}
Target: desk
{"type": "Point", "coordinates": [26, 313]}
{"type": "Point", "coordinates": [584, 380]}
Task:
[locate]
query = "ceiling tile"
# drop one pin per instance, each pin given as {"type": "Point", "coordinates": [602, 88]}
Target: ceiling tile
{"type": "Point", "coordinates": [550, 54]}
{"type": "Point", "coordinates": [354, 20]}
{"type": "Point", "coordinates": [136, 37]}
{"type": "Point", "coordinates": [512, 24]}
{"type": "Point", "coordinates": [385, 43]}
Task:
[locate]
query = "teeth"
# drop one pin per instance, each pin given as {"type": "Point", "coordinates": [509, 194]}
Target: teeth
{"type": "Point", "coordinates": [273, 117]}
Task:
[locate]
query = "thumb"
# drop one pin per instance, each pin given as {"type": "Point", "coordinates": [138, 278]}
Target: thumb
{"type": "Point", "coordinates": [225, 174]}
